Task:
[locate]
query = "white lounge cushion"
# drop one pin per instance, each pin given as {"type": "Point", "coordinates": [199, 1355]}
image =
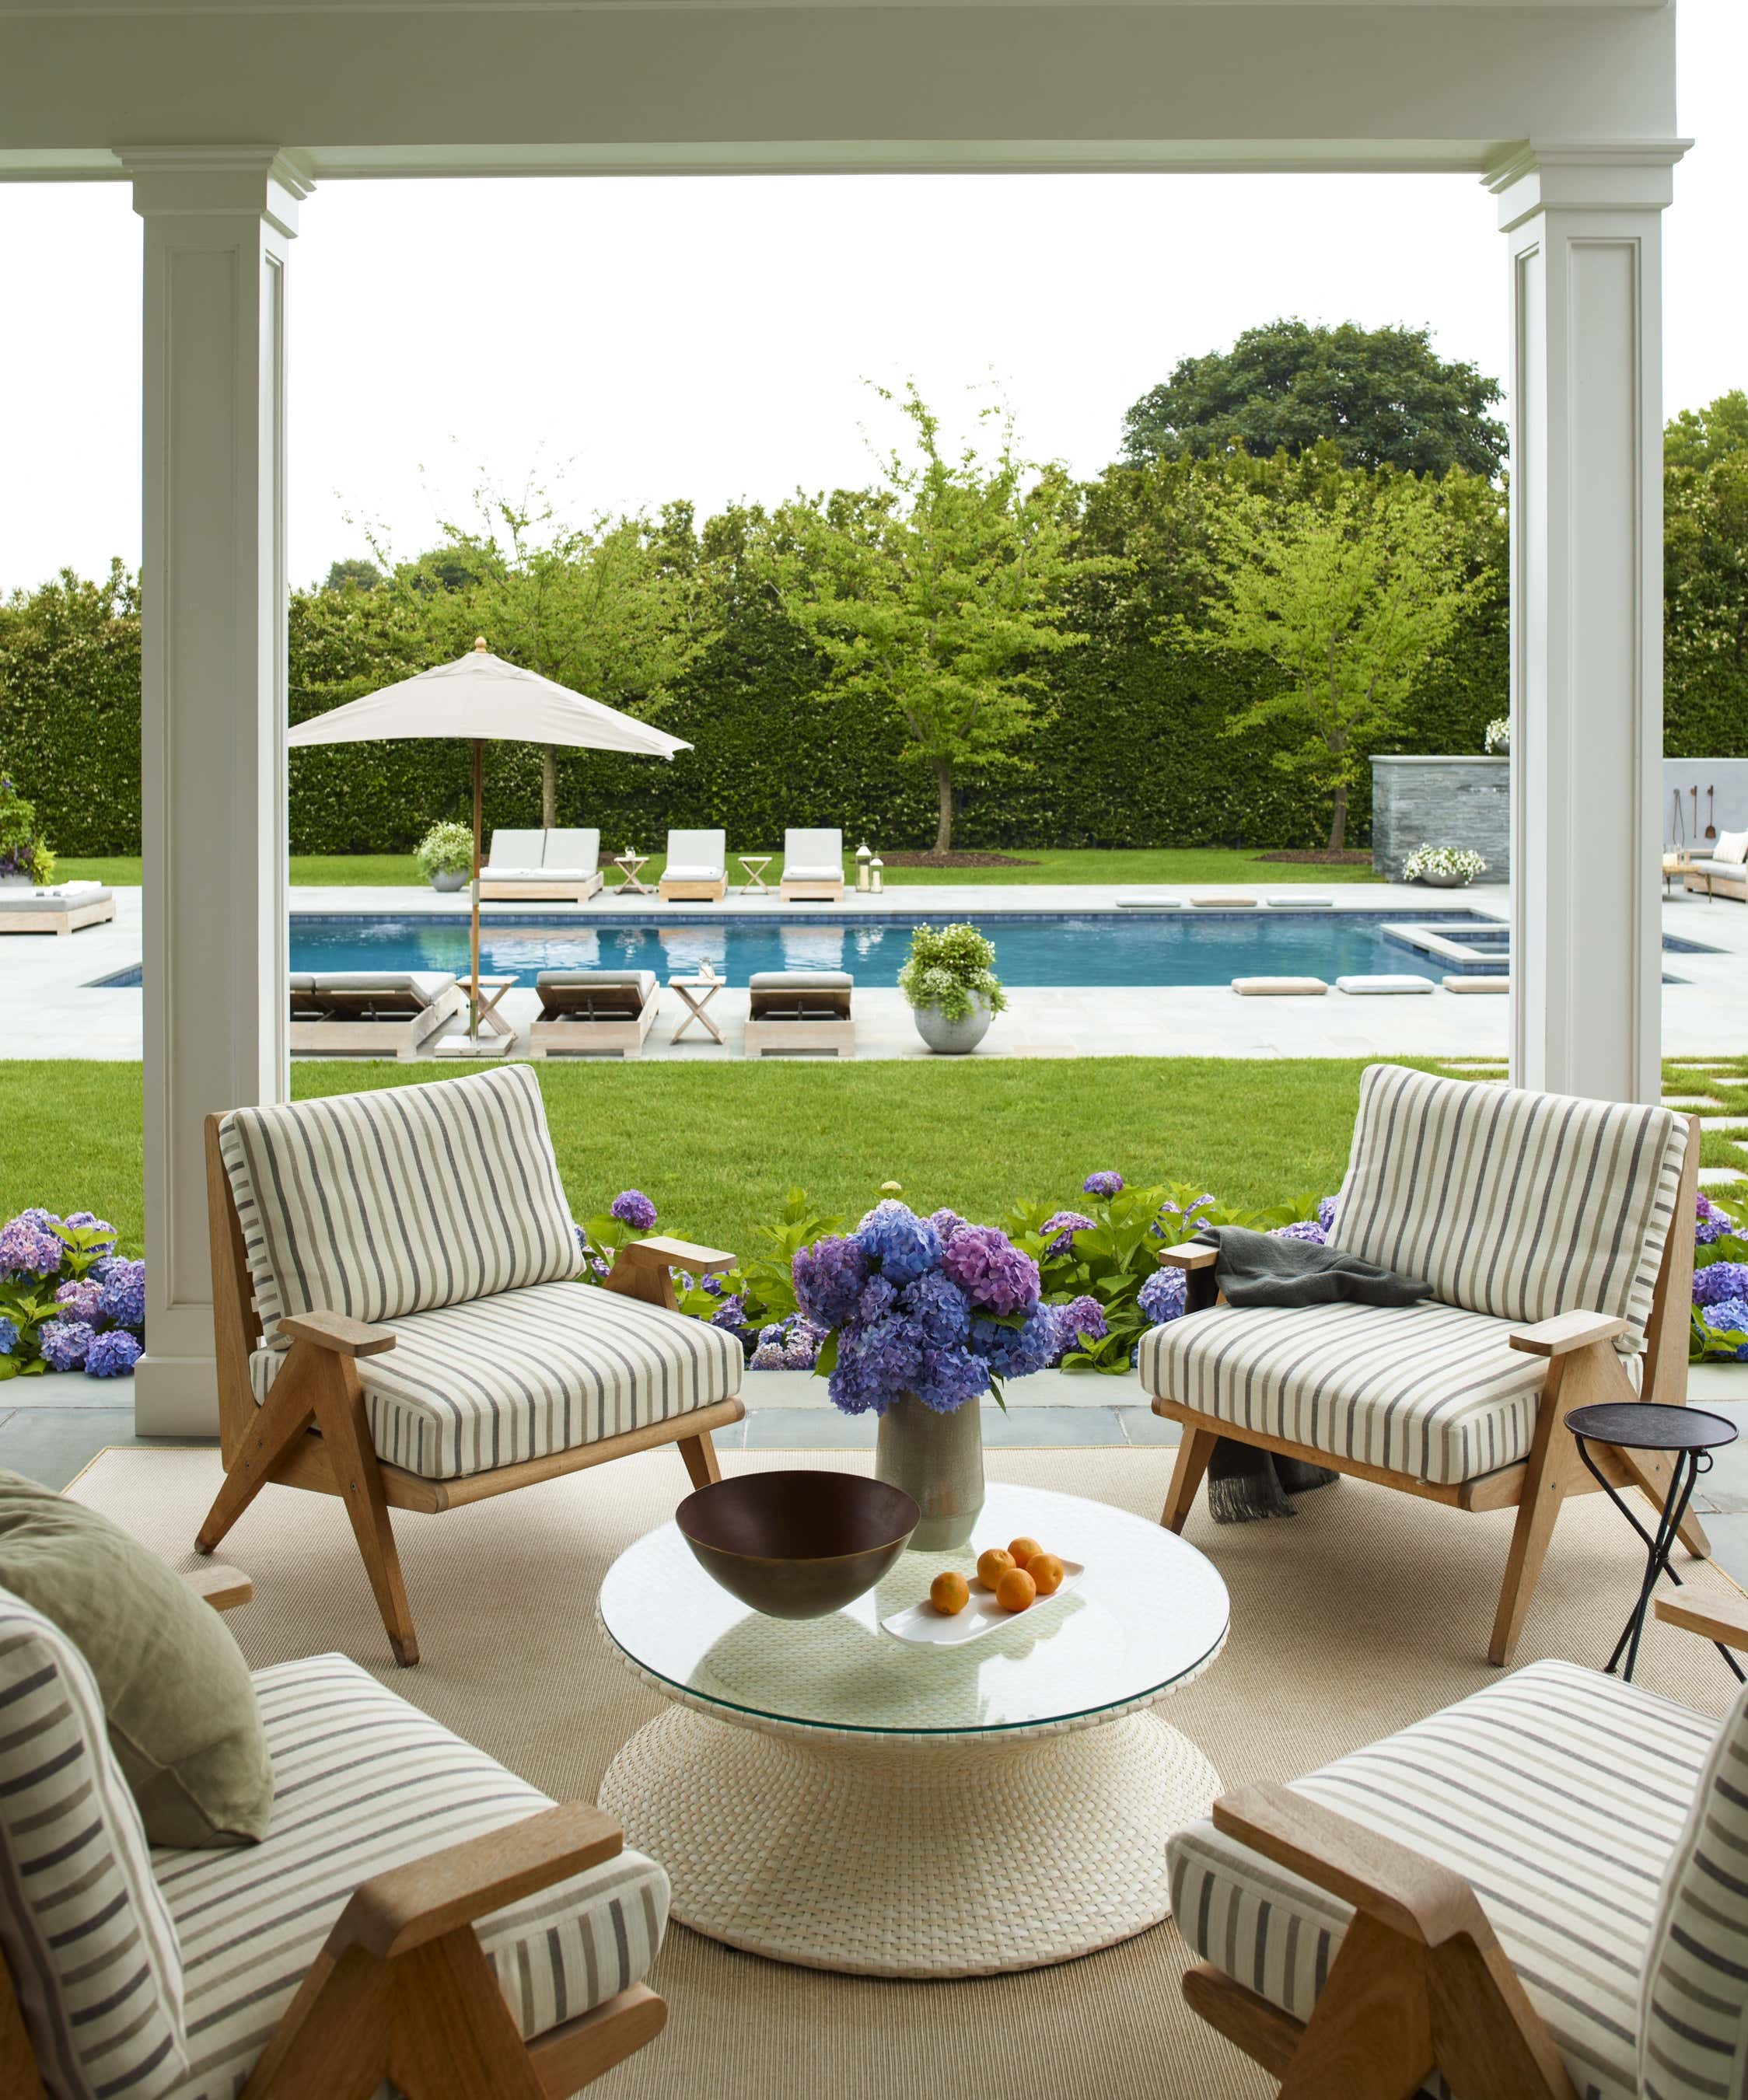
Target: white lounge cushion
{"type": "Point", "coordinates": [1299, 900]}
{"type": "Point", "coordinates": [1731, 847]}
{"type": "Point", "coordinates": [1431, 1390]}
{"type": "Point", "coordinates": [363, 1782]}
{"type": "Point", "coordinates": [1559, 1794]}
{"type": "Point", "coordinates": [695, 856]}
{"type": "Point", "coordinates": [572, 852]}
{"type": "Point", "coordinates": [800, 980]}
{"type": "Point", "coordinates": [818, 872]}
{"type": "Point", "coordinates": [427, 985]}
{"type": "Point", "coordinates": [1517, 1204]}
{"type": "Point", "coordinates": [86, 1934]}
{"type": "Point", "coordinates": [1477, 980]}
{"type": "Point", "coordinates": [391, 1202]}
{"type": "Point", "coordinates": [71, 896]}
{"type": "Point", "coordinates": [803, 851]}
{"type": "Point", "coordinates": [470, 1388]}
{"type": "Point", "coordinates": [515, 849]}
{"type": "Point", "coordinates": [696, 871]}
{"type": "Point", "coordinates": [1383, 985]}
{"type": "Point", "coordinates": [1278, 987]}
{"type": "Point", "coordinates": [490, 874]}
{"type": "Point", "coordinates": [1719, 870]}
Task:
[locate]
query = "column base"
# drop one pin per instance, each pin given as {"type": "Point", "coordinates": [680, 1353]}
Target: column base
{"type": "Point", "coordinates": [175, 1395]}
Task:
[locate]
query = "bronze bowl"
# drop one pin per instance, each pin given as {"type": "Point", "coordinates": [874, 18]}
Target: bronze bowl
{"type": "Point", "coordinates": [796, 1545]}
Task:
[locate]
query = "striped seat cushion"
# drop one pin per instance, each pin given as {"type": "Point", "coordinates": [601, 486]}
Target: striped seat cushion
{"type": "Point", "coordinates": [85, 1932]}
{"type": "Point", "coordinates": [1428, 1389]}
{"type": "Point", "coordinates": [391, 1202]}
{"type": "Point", "coordinates": [466, 1388]}
{"type": "Point", "coordinates": [1693, 2018]}
{"type": "Point", "coordinates": [365, 1782]}
{"type": "Point", "coordinates": [1516, 1204]}
{"type": "Point", "coordinates": [1559, 1794]}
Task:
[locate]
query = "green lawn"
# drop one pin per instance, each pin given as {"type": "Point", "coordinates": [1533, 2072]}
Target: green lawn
{"type": "Point", "coordinates": [1167, 864]}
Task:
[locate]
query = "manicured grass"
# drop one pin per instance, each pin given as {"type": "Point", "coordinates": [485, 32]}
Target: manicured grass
{"type": "Point", "coordinates": [1166, 864]}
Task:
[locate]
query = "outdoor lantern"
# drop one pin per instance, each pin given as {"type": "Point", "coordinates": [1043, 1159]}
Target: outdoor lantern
{"type": "Point", "coordinates": [877, 869]}
{"type": "Point", "coordinates": [863, 858]}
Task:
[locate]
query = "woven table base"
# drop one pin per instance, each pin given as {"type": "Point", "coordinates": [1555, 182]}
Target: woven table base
{"type": "Point", "coordinates": [908, 1858]}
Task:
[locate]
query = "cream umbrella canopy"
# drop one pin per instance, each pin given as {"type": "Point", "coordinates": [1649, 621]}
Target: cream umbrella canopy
{"type": "Point", "coordinates": [483, 699]}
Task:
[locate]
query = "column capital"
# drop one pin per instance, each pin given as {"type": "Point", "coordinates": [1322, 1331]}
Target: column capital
{"type": "Point", "coordinates": [256, 182]}
{"type": "Point", "coordinates": [1584, 174]}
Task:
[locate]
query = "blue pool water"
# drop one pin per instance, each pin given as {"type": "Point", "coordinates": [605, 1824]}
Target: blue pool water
{"type": "Point", "coordinates": [1094, 949]}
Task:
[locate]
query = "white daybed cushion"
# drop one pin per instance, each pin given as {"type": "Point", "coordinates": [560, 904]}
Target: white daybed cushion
{"type": "Point", "coordinates": [1224, 903]}
{"type": "Point", "coordinates": [1298, 900]}
{"type": "Point", "coordinates": [1149, 904]}
{"type": "Point", "coordinates": [1278, 987]}
{"type": "Point", "coordinates": [692, 871]}
{"type": "Point", "coordinates": [363, 1782]}
{"type": "Point", "coordinates": [800, 980]}
{"type": "Point", "coordinates": [1559, 1794]}
{"type": "Point", "coordinates": [72, 897]}
{"type": "Point", "coordinates": [571, 851]}
{"type": "Point", "coordinates": [429, 985]}
{"type": "Point", "coordinates": [1382, 986]}
{"type": "Point", "coordinates": [816, 856]}
{"type": "Point", "coordinates": [695, 856]}
{"type": "Point", "coordinates": [644, 980]}
{"type": "Point", "coordinates": [518, 850]}
{"type": "Point", "coordinates": [824, 871]}
{"type": "Point", "coordinates": [488, 873]}
{"type": "Point", "coordinates": [1478, 980]}
{"type": "Point", "coordinates": [470, 1388]}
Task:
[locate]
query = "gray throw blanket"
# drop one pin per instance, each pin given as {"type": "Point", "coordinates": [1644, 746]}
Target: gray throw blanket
{"type": "Point", "coordinates": [1244, 1483]}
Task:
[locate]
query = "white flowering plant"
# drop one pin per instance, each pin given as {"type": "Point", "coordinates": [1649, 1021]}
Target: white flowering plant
{"type": "Point", "coordinates": [947, 965]}
{"type": "Point", "coordinates": [1443, 863]}
{"type": "Point", "coordinates": [446, 848]}
{"type": "Point", "coordinates": [1497, 743]}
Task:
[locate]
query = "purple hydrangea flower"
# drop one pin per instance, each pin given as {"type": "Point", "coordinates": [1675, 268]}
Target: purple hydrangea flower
{"type": "Point", "coordinates": [28, 1247]}
{"type": "Point", "coordinates": [732, 1313]}
{"type": "Point", "coordinates": [800, 1356]}
{"type": "Point", "coordinates": [631, 1207]}
{"type": "Point", "coordinates": [1307, 1230]}
{"type": "Point", "coordinates": [904, 1244]}
{"type": "Point", "coordinates": [600, 1264]}
{"type": "Point", "coordinates": [1718, 1280]}
{"type": "Point", "coordinates": [112, 1355]}
{"type": "Point", "coordinates": [1016, 1351]}
{"type": "Point", "coordinates": [1083, 1319]}
{"type": "Point", "coordinates": [768, 1356]}
{"type": "Point", "coordinates": [64, 1344]}
{"type": "Point", "coordinates": [8, 1337]}
{"type": "Point", "coordinates": [1065, 1224]}
{"type": "Point", "coordinates": [992, 1271]}
{"type": "Point", "coordinates": [946, 1223]}
{"type": "Point", "coordinates": [89, 1220]}
{"type": "Point", "coordinates": [947, 1378]}
{"type": "Point", "coordinates": [123, 1299]}
{"type": "Point", "coordinates": [772, 1336]}
{"type": "Point", "coordinates": [1105, 1183]}
{"type": "Point", "coordinates": [878, 1294]}
{"type": "Point", "coordinates": [82, 1299]}
{"type": "Point", "coordinates": [938, 1308]}
{"type": "Point", "coordinates": [1729, 1316]}
{"type": "Point", "coordinates": [1161, 1297]}
{"type": "Point", "coordinates": [875, 1364]}
{"type": "Point", "coordinates": [1326, 1214]}
{"type": "Point", "coordinates": [828, 1276]}
{"type": "Point", "coordinates": [1711, 1224]}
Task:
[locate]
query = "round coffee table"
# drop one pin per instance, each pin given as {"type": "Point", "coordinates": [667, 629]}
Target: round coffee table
{"type": "Point", "coordinates": [822, 1793]}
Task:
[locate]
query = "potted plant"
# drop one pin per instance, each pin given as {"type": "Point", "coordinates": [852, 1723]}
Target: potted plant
{"type": "Point", "coordinates": [445, 856]}
{"type": "Point", "coordinates": [950, 982]}
{"type": "Point", "coordinates": [24, 855]}
{"type": "Point", "coordinates": [1443, 867]}
{"type": "Point", "coordinates": [1498, 741]}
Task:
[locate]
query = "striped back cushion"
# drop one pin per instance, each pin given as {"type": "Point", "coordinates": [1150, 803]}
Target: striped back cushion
{"type": "Point", "coordinates": [87, 1933]}
{"type": "Point", "coordinates": [395, 1201]}
{"type": "Point", "coordinates": [1516, 1204]}
{"type": "Point", "coordinates": [1694, 2008]}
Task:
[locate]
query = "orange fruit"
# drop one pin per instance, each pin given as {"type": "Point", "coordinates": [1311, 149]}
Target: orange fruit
{"type": "Point", "coordinates": [992, 1566]}
{"type": "Point", "coordinates": [949, 1593]}
{"type": "Point", "coordinates": [1022, 1549]}
{"type": "Point", "coordinates": [1046, 1571]}
{"type": "Point", "coordinates": [1015, 1590]}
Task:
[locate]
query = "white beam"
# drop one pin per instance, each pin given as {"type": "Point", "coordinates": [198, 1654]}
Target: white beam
{"type": "Point", "coordinates": [1583, 222]}
{"type": "Point", "coordinates": [218, 223]}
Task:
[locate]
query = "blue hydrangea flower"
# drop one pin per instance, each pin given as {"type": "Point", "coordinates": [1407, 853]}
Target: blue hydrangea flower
{"type": "Point", "coordinates": [771, 1336]}
{"type": "Point", "coordinates": [1082, 1319]}
{"type": "Point", "coordinates": [768, 1356]}
{"type": "Point", "coordinates": [904, 1244]}
{"type": "Point", "coordinates": [89, 1220]}
{"type": "Point", "coordinates": [1065, 1224]}
{"type": "Point", "coordinates": [1710, 1223]}
{"type": "Point", "coordinates": [82, 1300]}
{"type": "Point", "coordinates": [946, 1223]}
{"type": "Point", "coordinates": [878, 1295]}
{"type": "Point", "coordinates": [732, 1313]}
{"type": "Point", "coordinates": [875, 1364]}
{"type": "Point", "coordinates": [1718, 1280]}
{"type": "Point", "coordinates": [112, 1355]}
{"type": "Point", "coordinates": [1729, 1316]}
{"type": "Point", "coordinates": [8, 1337]}
{"type": "Point", "coordinates": [938, 1308]}
{"type": "Point", "coordinates": [1307, 1228]}
{"type": "Point", "coordinates": [123, 1301]}
{"type": "Point", "coordinates": [800, 1356]}
{"type": "Point", "coordinates": [1326, 1214]}
{"type": "Point", "coordinates": [1161, 1297]}
{"type": "Point", "coordinates": [1013, 1352]}
{"type": "Point", "coordinates": [950, 1379]}
{"type": "Point", "coordinates": [828, 1276]}
{"type": "Point", "coordinates": [28, 1247]}
{"type": "Point", "coordinates": [631, 1207]}
{"type": "Point", "coordinates": [1105, 1183]}
{"type": "Point", "coordinates": [64, 1344]}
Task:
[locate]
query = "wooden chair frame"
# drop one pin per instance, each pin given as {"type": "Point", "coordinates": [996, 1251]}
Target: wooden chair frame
{"type": "Point", "coordinates": [402, 1988]}
{"type": "Point", "coordinates": [1584, 1369]}
{"type": "Point", "coordinates": [569, 1027]}
{"type": "Point", "coordinates": [409, 1036]}
{"type": "Point", "coordinates": [800, 1019]}
{"type": "Point", "coordinates": [1421, 1983]}
{"type": "Point", "coordinates": [312, 1431]}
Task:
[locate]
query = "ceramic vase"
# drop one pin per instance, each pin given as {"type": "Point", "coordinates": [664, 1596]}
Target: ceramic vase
{"type": "Point", "coordinates": [937, 1460]}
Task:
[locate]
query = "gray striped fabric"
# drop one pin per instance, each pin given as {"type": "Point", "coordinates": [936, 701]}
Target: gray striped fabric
{"type": "Point", "coordinates": [469, 1387]}
{"type": "Point", "coordinates": [1693, 2020]}
{"type": "Point", "coordinates": [393, 1201]}
{"type": "Point", "coordinates": [85, 1932]}
{"type": "Point", "coordinates": [1558, 1794]}
{"type": "Point", "coordinates": [1517, 1204]}
{"type": "Point", "coordinates": [365, 1782]}
{"type": "Point", "coordinates": [1426, 1389]}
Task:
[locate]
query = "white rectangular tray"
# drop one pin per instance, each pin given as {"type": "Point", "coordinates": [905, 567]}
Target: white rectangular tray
{"type": "Point", "coordinates": [923, 1625]}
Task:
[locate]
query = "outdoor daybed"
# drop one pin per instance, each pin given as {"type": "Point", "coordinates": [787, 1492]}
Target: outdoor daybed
{"type": "Point", "coordinates": [801, 1010]}
{"type": "Point", "coordinates": [1725, 874]}
{"type": "Point", "coordinates": [813, 867]}
{"type": "Point", "coordinates": [593, 1010]}
{"type": "Point", "coordinates": [696, 868]}
{"type": "Point", "coordinates": [552, 866]}
{"type": "Point", "coordinates": [63, 909]}
{"type": "Point", "coordinates": [382, 1013]}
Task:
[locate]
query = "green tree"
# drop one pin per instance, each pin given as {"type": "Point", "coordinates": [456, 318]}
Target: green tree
{"type": "Point", "coordinates": [1700, 437]}
{"type": "Point", "coordinates": [1352, 599]}
{"type": "Point", "coordinates": [1706, 578]}
{"type": "Point", "coordinates": [1383, 397]}
{"type": "Point", "coordinates": [938, 595]}
{"type": "Point", "coordinates": [355, 574]}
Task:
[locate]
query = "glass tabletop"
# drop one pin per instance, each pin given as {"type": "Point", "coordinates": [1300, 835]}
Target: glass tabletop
{"type": "Point", "coordinates": [1150, 1613]}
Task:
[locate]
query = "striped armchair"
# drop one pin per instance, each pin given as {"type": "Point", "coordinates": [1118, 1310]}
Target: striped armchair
{"type": "Point", "coordinates": [1543, 1225]}
{"type": "Point", "coordinates": [1572, 1922]}
{"type": "Point", "coordinates": [398, 1321]}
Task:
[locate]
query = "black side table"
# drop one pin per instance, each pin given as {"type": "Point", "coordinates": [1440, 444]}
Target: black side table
{"type": "Point", "coordinates": [1693, 1435]}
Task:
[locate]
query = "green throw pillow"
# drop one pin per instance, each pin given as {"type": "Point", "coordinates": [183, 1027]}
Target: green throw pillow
{"type": "Point", "coordinates": [183, 1718]}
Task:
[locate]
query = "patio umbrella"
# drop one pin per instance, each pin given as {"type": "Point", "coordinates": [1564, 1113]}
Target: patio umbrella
{"type": "Point", "coordinates": [483, 699]}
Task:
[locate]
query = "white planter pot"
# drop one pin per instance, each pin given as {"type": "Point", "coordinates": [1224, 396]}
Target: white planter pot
{"type": "Point", "coordinates": [1446, 881]}
{"type": "Point", "coordinates": [953, 1039]}
{"type": "Point", "coordinates": [449, 880]}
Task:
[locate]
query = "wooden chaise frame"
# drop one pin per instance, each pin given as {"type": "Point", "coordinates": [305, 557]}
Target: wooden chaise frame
{"type": "Point", "coordinates": [96, 912]}
{"type": "Point", "coordinates": [1421, 1983]}
{"type": "Point", "coordinates": [312, 1431]}
{"type": "Point", "coordinates": [402, 1989]}
{"type": "Point", "coordinates": [1584, 1369]}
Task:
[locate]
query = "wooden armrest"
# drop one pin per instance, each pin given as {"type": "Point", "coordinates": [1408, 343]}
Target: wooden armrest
{"type": "Point", "coordinates": [1723, 1619]}
{"type": "Point", "coordinates": [1189, 1255]}
{"type": "Point", "coordinates": [675, 1254]}
{"type": "Point", "coordinates": [1564, 1332]}
{"type": "Point", "coordinates": [393, 1913]}
{"type": "Point", "coordinates": [1400, 1888]}
{"type": "Point", "coordinates": [334, 1330]}
{"type": "Point", "coordinates": [223, 1588]}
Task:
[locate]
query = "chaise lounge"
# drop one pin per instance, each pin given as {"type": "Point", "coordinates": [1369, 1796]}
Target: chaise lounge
{"type": "Point", "coordinates": [813, 867]}
{"type": "Point", "coordinates": [794, 1010]}
{"type": "Point", "coordinates": [542, 867]}
{"type": "Point", "coordinates": [593, 1013]}
{"type": "Point", "coordinates": [375, 1013]}
{"type": "Point", "coordinates": [696, 868]}
{"type": "Point", "coordinates": [65, 908]}
{"type": "Point", "coordinates": [1723, 872]}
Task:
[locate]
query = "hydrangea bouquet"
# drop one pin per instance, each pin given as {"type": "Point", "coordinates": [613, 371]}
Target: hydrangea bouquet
{"type": "Point", "coordinates": [1720, 1329]}
{"type": "Point", "coordinates": [68, 1301]}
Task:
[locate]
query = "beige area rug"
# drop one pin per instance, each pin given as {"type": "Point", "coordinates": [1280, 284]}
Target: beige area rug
{"type": "Point", "coordinates": [1366, 1611]}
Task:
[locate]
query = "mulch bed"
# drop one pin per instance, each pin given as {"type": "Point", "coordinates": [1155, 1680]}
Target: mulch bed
{"type": "Point", "coordinates": [954, 859]}
{"type": "Point", "coordinates": [1322, 857]}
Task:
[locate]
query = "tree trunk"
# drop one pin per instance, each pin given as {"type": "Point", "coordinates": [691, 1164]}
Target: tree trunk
{"type": "Point", "coordinates": [943, 827]}
{"type": "Point", "coordinates": [549, 787]}
{"type": "Point", "coordinates": [1338, 823]}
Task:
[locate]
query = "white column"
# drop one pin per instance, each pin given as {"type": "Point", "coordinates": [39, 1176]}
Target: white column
{"type": "Point", "coordinates": [218, 223]}
{"type": "Point", "coordinates": [1583, 222]}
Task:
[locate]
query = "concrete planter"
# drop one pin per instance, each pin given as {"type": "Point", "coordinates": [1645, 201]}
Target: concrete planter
{"type": "Point", "coordinates": [1441, 801]}
{"type": "Point", "coordinates": [448, 880]}
{"type": "Point", "coordinates": [953, 1039]}
{"type": "Point", "coordinates": [1443, 881]}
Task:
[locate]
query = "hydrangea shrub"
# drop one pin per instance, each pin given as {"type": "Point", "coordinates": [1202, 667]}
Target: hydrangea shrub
{"type": "Point", "coordinates": [68, 1301]}
{"type": "Point", "coordinates": [1719, 1332]}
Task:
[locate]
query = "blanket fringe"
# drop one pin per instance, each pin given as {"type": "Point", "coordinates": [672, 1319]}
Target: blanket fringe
{"type": "Point", "coordinates": [1248, 1485]}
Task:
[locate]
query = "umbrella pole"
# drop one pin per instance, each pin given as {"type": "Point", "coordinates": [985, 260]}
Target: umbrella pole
{"type": "Point", "coordinates": [472, 987]}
